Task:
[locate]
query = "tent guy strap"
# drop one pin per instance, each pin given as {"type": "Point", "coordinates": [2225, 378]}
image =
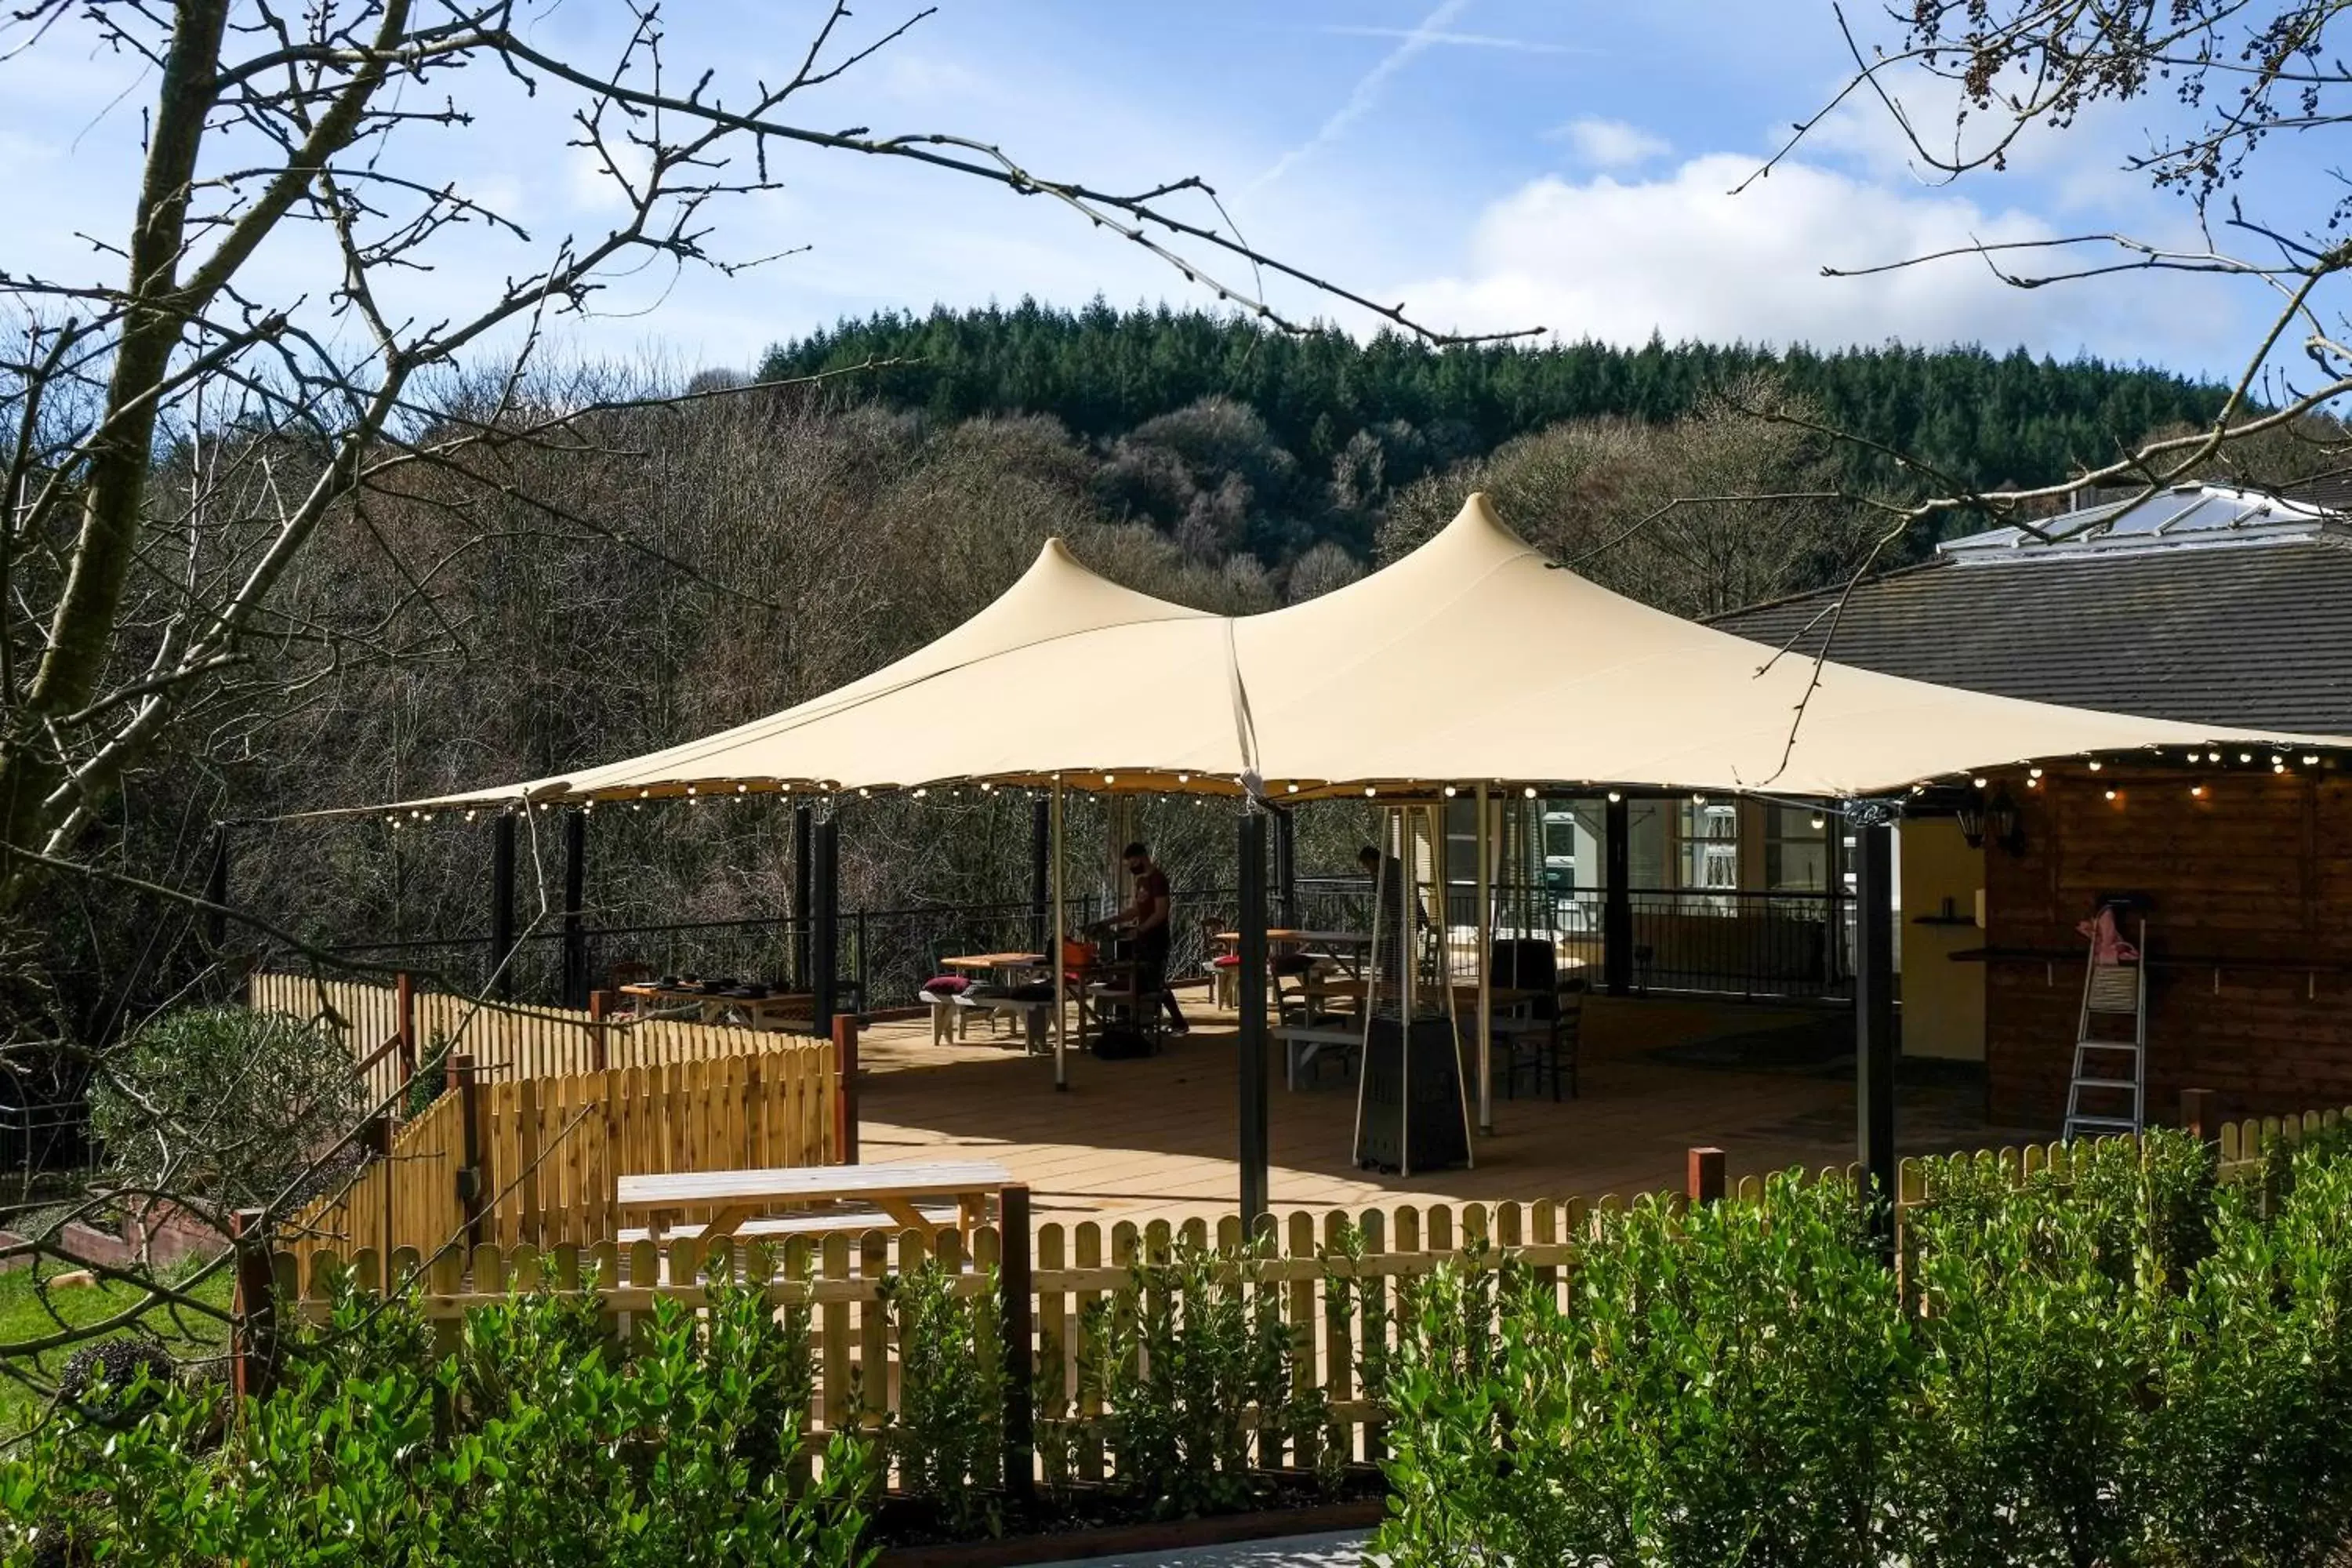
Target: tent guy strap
{"type": "Point", "coordinates": [1514, 672]}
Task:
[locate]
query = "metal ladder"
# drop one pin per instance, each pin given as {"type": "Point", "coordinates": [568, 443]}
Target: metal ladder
{"type": "Point", "coordinates": [2110, 1069]}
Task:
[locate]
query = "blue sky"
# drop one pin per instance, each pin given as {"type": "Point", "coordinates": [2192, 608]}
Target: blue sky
{"type": "Point", "coordinates": [1496, 164]}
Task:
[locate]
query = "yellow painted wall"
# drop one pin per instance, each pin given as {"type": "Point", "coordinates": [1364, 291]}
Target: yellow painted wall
{"type": "Point", "coordinates": [1943, 1002]}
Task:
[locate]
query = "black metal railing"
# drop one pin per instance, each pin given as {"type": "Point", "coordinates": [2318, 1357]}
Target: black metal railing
{"type": "Point", "coordinates": [1717, 942]}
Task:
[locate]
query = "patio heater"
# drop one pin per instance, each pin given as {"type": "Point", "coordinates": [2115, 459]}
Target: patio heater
{"type": "Point", "coordinates": [1410, 1111]}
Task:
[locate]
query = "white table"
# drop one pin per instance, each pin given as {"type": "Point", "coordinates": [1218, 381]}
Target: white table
{"type": "Point", "coordinates": [737, 1195]}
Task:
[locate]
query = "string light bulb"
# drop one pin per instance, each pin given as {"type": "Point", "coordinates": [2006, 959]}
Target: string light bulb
{"type": "Point", "coordinates": [1370, 792]}
{"type": "Point", "coordinates": [1529, 791]}
{"type": "Point", "coordinates": [2094, 765]}
{"type": "Point", "coordinates": [1615, 797]}
{"type": "Point", "coordinates": [1978, 784]}
{"type": "Point", "coordinates": [1818, 821]}
{"type": "Point", "coordinates": [2311, 762]}
{"type": "Point", "coordinates": [2245, 756]}
{"type": "Point", "coordinates": [2111, 794]}
{"type": "Point", "coordinates": [1449, 791]}
{"type": "Point", "coordinates": [2198, 791]}
{"type": "Point", "coordinates": [2033, 773]}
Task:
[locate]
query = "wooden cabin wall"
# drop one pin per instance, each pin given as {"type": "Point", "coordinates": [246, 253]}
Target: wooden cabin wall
{"type": "Point", "coordinates": [2251, 921]}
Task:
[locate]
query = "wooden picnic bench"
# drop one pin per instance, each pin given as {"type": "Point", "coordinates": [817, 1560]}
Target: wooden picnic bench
{"type": "Point", "coordinates": [736, 1196]}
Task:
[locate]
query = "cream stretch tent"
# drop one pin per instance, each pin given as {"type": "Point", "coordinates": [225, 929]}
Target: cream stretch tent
{"type": "Point", "coordinates": [1472, 659]}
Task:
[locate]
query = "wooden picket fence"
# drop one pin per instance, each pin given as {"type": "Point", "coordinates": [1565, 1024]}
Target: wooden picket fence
{"type": "Point", "coordinates": [535, 1160]}
{"type": "Point", "coordinates": [394, 1029]}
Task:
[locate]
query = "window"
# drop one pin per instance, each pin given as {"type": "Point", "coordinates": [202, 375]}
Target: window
{"type": "Point", "coordinates": [1710, 844]}
{"type": "Point", "coordinates": [1796, 851]}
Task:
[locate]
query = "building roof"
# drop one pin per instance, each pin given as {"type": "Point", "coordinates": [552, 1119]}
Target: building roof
{"type": "Point", "coordinates": [2201, 603]}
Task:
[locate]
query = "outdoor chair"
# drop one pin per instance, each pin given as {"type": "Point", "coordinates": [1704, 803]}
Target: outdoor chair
{"type": "Point", "coordinates": [1541, 1037]}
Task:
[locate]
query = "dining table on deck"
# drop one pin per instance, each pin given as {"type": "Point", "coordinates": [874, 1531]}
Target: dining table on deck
{"type": "Point", "coordinates": [769, 1010]}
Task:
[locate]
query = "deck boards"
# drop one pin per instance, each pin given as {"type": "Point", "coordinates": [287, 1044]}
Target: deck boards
{"type": "Point", "coordinates": [1154, 1139]}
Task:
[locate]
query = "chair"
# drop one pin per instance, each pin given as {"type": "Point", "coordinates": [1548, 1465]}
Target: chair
{"type": "Point", "coordinates": [1543, 1035]}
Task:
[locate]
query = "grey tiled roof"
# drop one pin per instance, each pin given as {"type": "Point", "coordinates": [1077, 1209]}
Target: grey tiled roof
{"type": "Point", "coordinates": [2260, 635]}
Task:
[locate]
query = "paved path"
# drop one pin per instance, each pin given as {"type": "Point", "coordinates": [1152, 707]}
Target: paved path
{"type": "Point", "coordinates": [1343, 1549]}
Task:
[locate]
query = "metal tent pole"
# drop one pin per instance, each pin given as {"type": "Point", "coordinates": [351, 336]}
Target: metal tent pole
{"type": "Point", "coordinates": [1054, 950]}
{"type": "Point", "coordinates": [804, 886]}
{"type": "Point", "coordinates": [1040, 848]}
{"type": "Point", "coordinates": [1409, 930]}
{"type": "Point", "coordinates": [825, 923]}
{"type": "Point", "coordinates": [502, 904]}
{"type": "Point", "coordinates": [1617, 896]}
{"type": "Point", "coordinates": [1873, 1011]}
{"type": "Point", "coordinates": [1485, 1046]}
{"type": "Point", "coordinates": [1254, 1153]}
{"type": "Point", "coordinates": [575, 895]}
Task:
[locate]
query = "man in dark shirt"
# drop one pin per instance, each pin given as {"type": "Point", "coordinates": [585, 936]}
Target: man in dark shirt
{"type": "Point", "coordinates": [1145, 922]}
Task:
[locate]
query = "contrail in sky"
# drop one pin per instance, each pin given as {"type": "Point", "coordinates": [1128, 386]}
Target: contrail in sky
{"type": "Point", "coordinates": [1367, 91]}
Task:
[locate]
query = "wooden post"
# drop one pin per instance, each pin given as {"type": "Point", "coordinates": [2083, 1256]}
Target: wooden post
{"type": "Point", "coordinates": [1874, 1016]}
{"type": "Point", "coordinates": [1617, 898]}
{"type": "Point", "coordinates": [824, 933]}
{"type": "Point", "coordinates": [598, 1039]}
{"type": "Point", "coordinates": [502, 903]}
{"type": "Point", "coordinates": [403, 1009]}
{"type": "Point", "coordinates": [575, 894]}
{"type": "Point", "coordinates": [844, 1102]}
{"type": "Point", "coordinates": [1703, 1182]}
{"type": "Point", "coordinates": [1014, 1282]}
{"type": "Point", "coordinates": [253, 1312]}
{"type": "Point", "coordinates": [2196, 1114]}
{"type": "Point", "coordinates": [1250, 974]}
{"type": "Point", "coordinates": [473, 1180]}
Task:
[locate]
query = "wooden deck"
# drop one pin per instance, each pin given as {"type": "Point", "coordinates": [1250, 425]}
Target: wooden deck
{"type": "Point", "coordinates": [1155, 1138]}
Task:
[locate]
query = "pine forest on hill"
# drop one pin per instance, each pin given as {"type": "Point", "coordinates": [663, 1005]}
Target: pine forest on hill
{"type": "Point", "coordinates": [1336, 407]}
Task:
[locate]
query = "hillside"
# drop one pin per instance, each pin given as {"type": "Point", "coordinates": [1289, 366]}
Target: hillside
{"type": "Point", "coordinates": [1333, 405]}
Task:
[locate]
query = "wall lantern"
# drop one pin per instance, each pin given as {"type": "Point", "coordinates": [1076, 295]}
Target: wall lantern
{"type": "Point", "coordinates": [1994, 819]}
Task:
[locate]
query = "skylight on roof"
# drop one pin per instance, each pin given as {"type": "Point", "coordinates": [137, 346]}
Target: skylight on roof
{"type": "Point", "coordinates": [2184, 516]}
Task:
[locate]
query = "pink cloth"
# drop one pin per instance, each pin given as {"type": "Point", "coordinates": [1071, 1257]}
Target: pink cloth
{"type": "Point", "coordinates": [2107, 943]}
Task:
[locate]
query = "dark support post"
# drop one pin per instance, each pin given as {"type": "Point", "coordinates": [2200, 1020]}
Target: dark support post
{"type": "Point", "coordinates": [502, 902]}
{"type": "Point", "coordinates": [2197, 1115]}
{"type": "Point", "coordinates": [575, 898]}
{"type": "Point", "coordinates": [1617, 898]}
{"type": "Point", "coordinates": [1250, 975]}
{"type": "Point", "coordinates": [403, 1009]}
{"type": "Point", "coordinates": [252, 1314]}
{"type": "Point", "coordinates": [824, 934]}
{"type": "Point", "coordinates": [844, 1099]}
{"type": "Point", "coordinates": [473, 1181]}
{"type": "Point", "coordinates": [1286, 866]}
{"type": "Point", "coordinates": [803, 879]}
{"type": "Point", "coordinates": [1703, 1182]}
{"type": "Point", "coordinates": [216, 890]}
{"type": "Point", "coordinates": [376, 1137]}
{"type": "Point", "coordinates": [1041, 876]}
{"type": "Point", "coordinates": [1013, 1280]}
{"type": "Point", "coordinates": [1873, 1020]}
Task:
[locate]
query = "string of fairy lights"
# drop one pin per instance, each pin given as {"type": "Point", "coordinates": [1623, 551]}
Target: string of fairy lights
{"type": "Point", "coordinates": [2208, 758]}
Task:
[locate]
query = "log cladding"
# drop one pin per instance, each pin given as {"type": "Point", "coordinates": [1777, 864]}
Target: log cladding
{"type": "Point", "coordinates": [2248, 875]}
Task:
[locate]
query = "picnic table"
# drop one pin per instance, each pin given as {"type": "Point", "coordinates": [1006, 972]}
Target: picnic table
{"type": "Point", "coordinates": [1004, 970]}
{"type": "Point", "coordinates": [737, 1195]}
{"type": "Point", "coordinates": [776, 1010]}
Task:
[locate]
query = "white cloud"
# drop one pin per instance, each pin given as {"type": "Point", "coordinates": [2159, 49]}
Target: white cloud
{"type": "Point", "coordinates": [1681, 255]}
{"type": "Point", "coordinates": [1599, 144]}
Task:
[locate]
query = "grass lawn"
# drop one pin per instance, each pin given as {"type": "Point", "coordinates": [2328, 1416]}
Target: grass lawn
{"type": "Point", "coordinates": [24, 1316]}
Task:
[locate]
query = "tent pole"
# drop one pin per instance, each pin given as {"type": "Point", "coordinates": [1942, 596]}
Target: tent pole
{"type": "Point", "coordinates": [1409, 930]}
{"type": "Point", "coordinates": [1251, 972]}
{"type": "Point", "coordinates": [804, 896]}
{"type": "Point", "coordinates": [575, 889]}
{"type": "Point", "coordinates": [825, 923]}
{"type": "Point", "coordinates": [1873, 1014]}
{"type": "Point", "coordinates": [1054, 951]}
{"type": "Point", "coordinates": [1485, 965]}
{"type": "Point", "coordinates": [1041, 847]}
{"type": "Point", "coordinates": [1371, 1005]}
{"type": "Point", "coordinates": [502, 904]}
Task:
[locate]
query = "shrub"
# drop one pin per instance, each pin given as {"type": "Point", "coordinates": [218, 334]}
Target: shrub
{"type": "Point", "coordinates": [1194, 1371]}
{"type": "Point", "coordinates": [225, 1103]}
{"type": "Point", "coordinates": [538, 1443]}
{"type": "Point", "coordinates": [114, 1380]}
{"type": "Point", "coordinates": [947, 1436]}
{"type": "Point", "coordinates": [1715, 1390]}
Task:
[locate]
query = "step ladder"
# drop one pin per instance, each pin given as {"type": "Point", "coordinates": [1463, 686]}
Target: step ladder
{"type": "Point", "coordinates": [2111, 1072]}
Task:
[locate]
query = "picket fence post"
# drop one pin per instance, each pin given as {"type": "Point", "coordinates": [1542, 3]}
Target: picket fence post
{"type": "Point", "coordinates": [844, 1099]}
{"type": "Point", "coordinates": [253, 1312]}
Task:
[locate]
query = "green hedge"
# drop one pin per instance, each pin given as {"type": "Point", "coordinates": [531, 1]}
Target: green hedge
{"type": "Point", "coordinates": [2124, 1365]}
{"type": "Point", "coordinates": [534, 1442]}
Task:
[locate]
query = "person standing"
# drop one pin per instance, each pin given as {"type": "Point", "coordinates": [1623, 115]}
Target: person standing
{"type": "Point", "coordinates": [1148, 924]}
